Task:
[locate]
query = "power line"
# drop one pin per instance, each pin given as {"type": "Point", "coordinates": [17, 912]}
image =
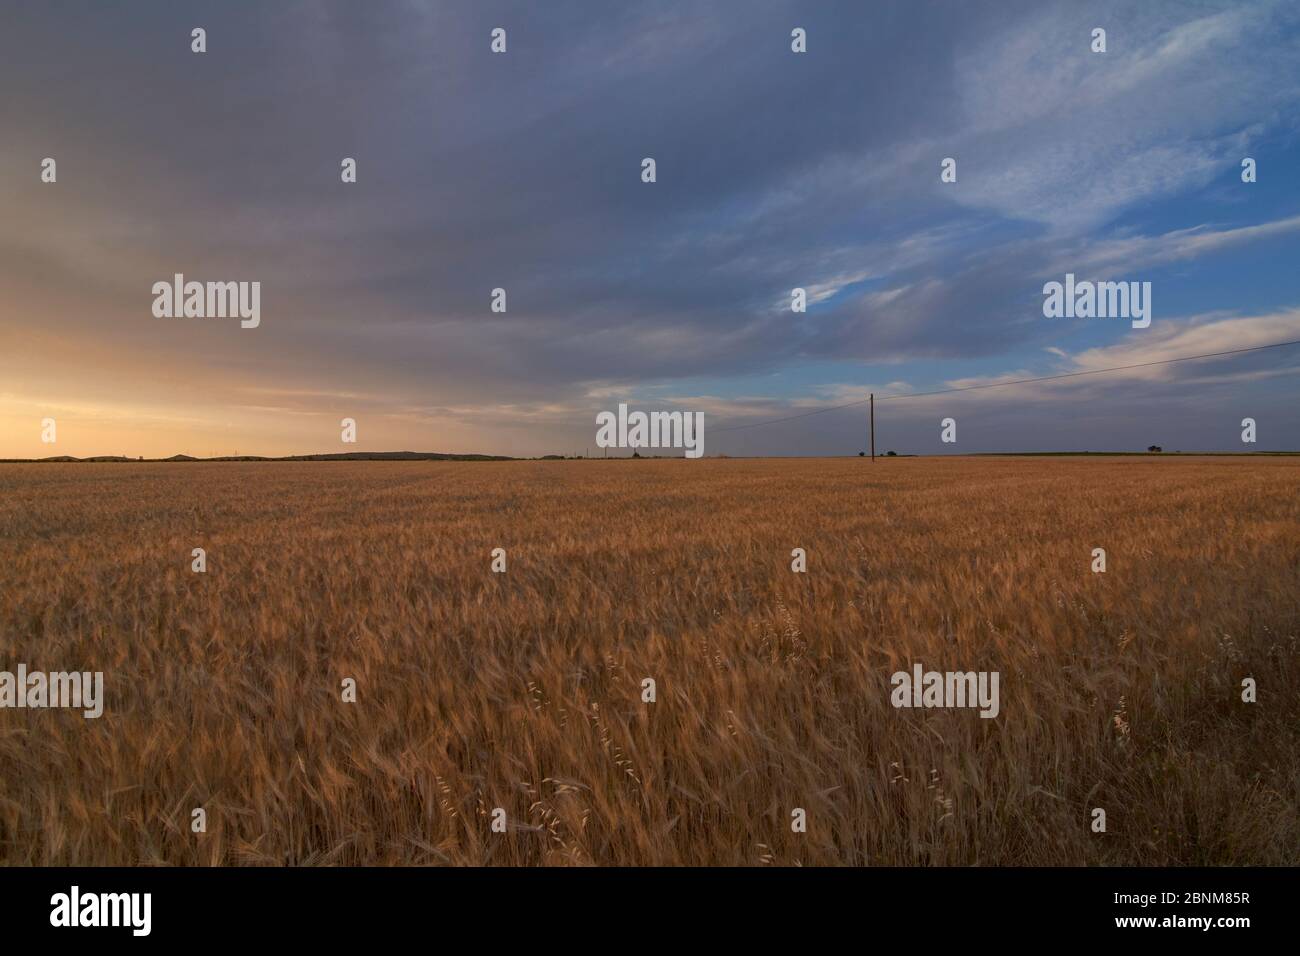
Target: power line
{"type": "Point", "coordinates": [1020, 381]}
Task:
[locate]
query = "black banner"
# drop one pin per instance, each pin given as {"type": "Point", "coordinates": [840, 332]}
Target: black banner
{"type": "Point", "coordinates": [330, 906]}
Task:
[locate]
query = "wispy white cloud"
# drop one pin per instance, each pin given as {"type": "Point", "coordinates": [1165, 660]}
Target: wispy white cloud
{"type": "Point", "coordinates": [1060, 135]}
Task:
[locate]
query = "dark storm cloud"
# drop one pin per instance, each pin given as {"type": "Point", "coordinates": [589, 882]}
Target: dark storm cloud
{"type": "Point", "coordinates": [476, 171]}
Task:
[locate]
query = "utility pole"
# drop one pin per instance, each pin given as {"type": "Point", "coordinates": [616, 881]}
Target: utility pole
{"type": "Point", "coordinates": [873, 426]}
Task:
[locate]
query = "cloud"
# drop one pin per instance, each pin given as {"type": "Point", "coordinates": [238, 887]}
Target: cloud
{"type": "Point", "coordinates": [1106, 258]}
{"type": "Point", "coordinates": [1057, 134]}
{"type": "Point", "coordinates": [1161, 343]}
{"type": "Point", "coordinates": [1196, 335]}
{"type": "Point", "coordinates": [521, 171]}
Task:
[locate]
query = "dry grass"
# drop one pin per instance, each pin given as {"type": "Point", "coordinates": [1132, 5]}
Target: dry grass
{"type": "Point", "coordinates": [522, 690]}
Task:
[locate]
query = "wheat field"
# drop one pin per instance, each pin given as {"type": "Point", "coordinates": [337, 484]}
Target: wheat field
{"type": "Point", "coordinates": [522, 690]}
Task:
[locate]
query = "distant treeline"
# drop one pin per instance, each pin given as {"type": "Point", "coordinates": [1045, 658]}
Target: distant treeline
{"type": "Point", "coordinates": [346, 456]}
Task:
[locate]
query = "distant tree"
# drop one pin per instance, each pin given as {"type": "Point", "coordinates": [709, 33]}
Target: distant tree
{"type": "Point", "coordinates": [891, 454]}
{"type": "Point", "coordinates": [862, 454]}
{"type": "Point", "coordinates": [1154, 448]}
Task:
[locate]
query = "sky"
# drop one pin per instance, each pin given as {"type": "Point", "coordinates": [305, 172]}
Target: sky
{"type": "Point", "coordinates": [522, 170]}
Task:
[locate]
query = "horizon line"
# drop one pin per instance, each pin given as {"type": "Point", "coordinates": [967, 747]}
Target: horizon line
{"type": "Point", "coordinates": [471, 457]}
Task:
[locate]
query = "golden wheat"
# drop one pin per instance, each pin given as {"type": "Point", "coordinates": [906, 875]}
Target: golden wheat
{"type": "Point", "coordinates": [522, 690]}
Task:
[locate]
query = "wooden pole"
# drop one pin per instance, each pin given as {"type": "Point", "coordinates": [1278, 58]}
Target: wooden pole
{"type": "Point", "coordinates": [873, 426]}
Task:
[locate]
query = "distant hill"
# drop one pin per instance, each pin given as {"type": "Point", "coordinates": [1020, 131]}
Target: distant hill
{"type": "Point", "coordinates": [388, 456]}
{"type": "Point", "coordinates": [342, 456]}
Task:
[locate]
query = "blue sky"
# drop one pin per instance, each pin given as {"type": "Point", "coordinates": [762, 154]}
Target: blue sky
{"type": "Point", "coordinates": [522, 170]}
